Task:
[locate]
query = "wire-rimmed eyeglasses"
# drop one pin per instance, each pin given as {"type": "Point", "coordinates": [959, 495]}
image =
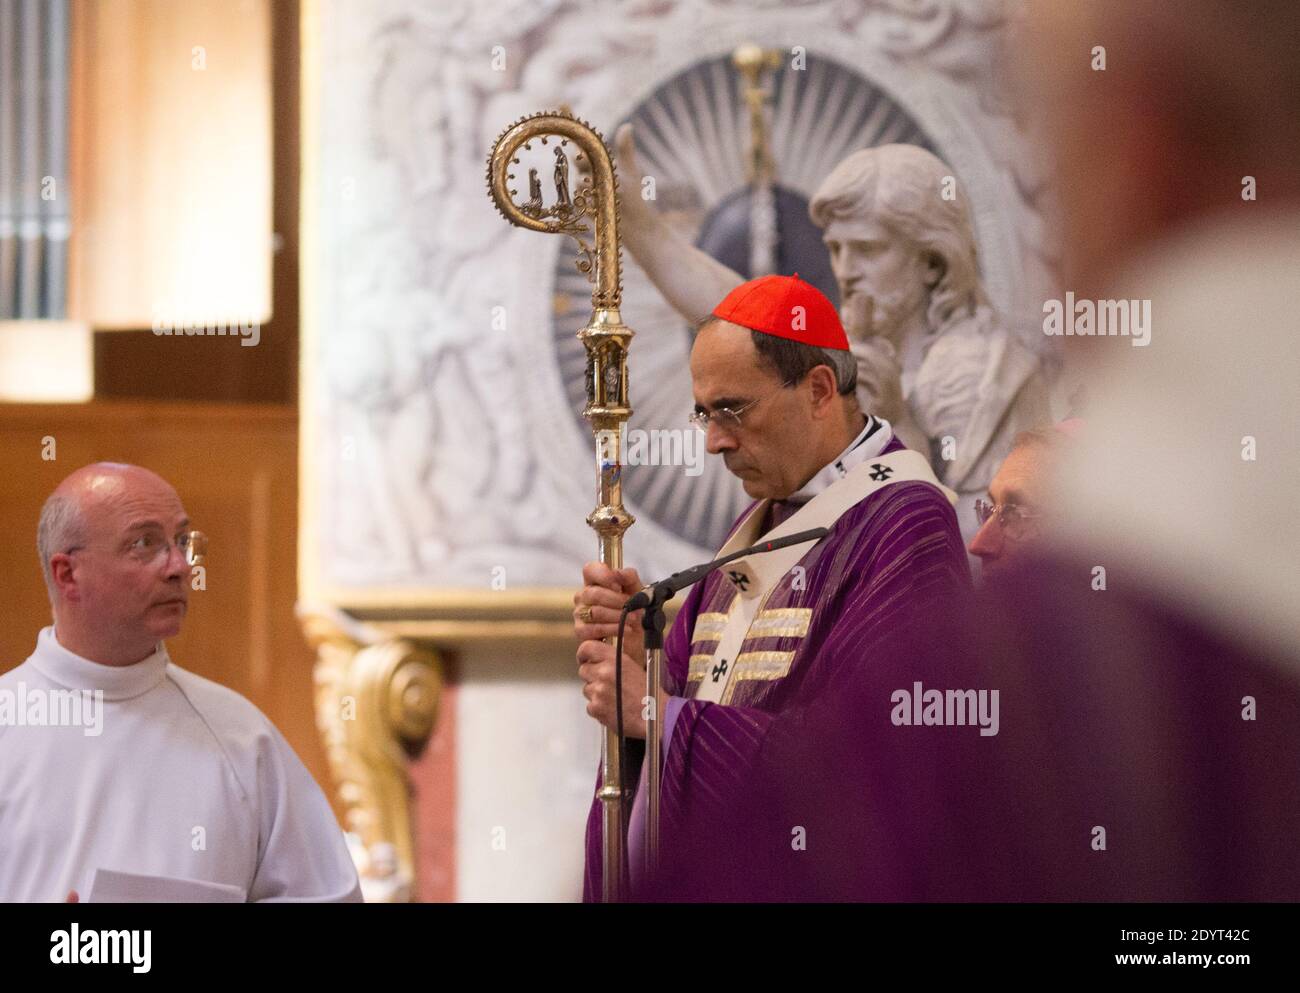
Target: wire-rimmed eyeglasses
{"type": "Point", "coordinates": [728, 418]}
{"type": "Point", "coordinates": [1014, 521]}
{"type": "Point", "coordinates": [148, 546]}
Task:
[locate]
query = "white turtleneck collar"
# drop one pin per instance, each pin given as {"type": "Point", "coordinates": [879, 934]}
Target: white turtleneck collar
{"type": "Point", "coordinates": [118, 682]}
{"type": "Point", "coordinates": [870, 442]}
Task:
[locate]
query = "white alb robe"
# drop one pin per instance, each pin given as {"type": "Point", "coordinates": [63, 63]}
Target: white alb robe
{"type": "Point", "coordinates": [185, 779]}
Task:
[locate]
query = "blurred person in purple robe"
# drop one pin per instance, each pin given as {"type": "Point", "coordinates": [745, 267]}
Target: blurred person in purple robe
{"type": "Point", "coordinates": [774, 385]}
{"type": "Point", "coordinates": [1146, 658]}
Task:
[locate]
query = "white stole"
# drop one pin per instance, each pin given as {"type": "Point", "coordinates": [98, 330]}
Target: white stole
{"type": "Point", "coordinates": [755, 576]}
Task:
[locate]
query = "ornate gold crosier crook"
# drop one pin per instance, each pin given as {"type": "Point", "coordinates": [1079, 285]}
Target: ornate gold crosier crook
{"type": "Point", "coordinates": [589, 215]}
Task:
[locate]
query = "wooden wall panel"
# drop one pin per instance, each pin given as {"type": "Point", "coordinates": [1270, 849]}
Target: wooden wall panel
{"type": "Point", "coordinates": [235, 467]}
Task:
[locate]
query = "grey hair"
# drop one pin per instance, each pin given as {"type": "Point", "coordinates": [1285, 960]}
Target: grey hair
{"type": "Point", "coordinates": [793, 360]}
{"type": "Point", "coordinates": [62, 526]}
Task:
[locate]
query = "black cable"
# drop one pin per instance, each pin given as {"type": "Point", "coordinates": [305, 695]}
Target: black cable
{"type": "Point", "coordinates": [622, 749]}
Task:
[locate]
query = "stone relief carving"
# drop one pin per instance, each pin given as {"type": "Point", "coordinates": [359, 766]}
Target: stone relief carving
{"type": "Point", "coordinates": [447, 444]}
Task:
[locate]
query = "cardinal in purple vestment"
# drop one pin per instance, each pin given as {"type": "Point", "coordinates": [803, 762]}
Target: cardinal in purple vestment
{"type": "Point", "coordinates": [779, 406]}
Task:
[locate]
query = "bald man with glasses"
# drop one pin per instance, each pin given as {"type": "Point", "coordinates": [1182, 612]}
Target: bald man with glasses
{"type": "Point", "coordinates": [122, 775]}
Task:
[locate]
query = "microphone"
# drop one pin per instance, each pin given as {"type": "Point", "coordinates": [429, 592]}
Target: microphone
{"type": "Point", "coordinates": [653, 597]}
{"type": "Point", "coordinates": [664, 590]}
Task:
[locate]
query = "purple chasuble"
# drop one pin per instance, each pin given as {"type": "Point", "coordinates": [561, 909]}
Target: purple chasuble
{"type": "Point", "coordinates": [893, 557]}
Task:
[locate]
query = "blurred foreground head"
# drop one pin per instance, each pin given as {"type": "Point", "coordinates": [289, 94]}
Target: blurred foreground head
{"type": "Point", "coordinates": [1193, 98]}
{"type": "Point", "coordinates": [1177, 167]}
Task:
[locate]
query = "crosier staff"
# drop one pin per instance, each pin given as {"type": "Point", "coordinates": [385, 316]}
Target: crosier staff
{"type": "Point", "coordinates": [591, 211]}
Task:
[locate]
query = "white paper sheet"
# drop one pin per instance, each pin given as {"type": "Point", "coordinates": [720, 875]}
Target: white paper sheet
{"type": "Point", "coordinates": [110, 886]}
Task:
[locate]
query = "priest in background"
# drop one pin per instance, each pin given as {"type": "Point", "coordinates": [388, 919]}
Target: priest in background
{"type": "Point", "coordinates": [1019, 512]}
{"type": "Point", "coordinates": [114, 759]}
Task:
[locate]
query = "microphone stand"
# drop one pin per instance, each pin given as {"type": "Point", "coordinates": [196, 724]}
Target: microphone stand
{"type": "Point", "coordinates": [652, 599]}
{"type": "Point", "coordinates": [652, 623]}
